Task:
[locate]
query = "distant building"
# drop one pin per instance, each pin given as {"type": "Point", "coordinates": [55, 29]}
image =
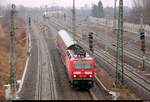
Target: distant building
{"type": "Point", "coordinates": [54, 14]}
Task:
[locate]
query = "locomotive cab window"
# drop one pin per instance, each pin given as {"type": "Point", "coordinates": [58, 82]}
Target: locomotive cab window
{"type": "Point", "coordinates": [82, 65]}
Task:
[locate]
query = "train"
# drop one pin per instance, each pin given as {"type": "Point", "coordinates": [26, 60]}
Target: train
{"type": "Point", "coordinates": [48, 14]}
{"type": "Point", "coordinates": [79, 65]}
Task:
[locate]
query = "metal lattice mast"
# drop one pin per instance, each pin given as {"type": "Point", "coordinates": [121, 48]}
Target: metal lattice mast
{"type": "Point", "coordinates": [119, 62]}
{"type": "Point", "coordinates": [13, 54]}
{"type": "Point", "coordinates": [74, 19]}
{"type": "Point", "coordinates": [115, 14]}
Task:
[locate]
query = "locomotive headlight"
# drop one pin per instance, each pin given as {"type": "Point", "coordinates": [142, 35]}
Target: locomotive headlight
{"type": "Point", "coordinates": [74, 76]}
{"type": "Point", "coordinates": [88, 72]}
{"type": "Point", "coordinates": [76, 72]}
{"type": "Point", "coordinates": [90, 76]}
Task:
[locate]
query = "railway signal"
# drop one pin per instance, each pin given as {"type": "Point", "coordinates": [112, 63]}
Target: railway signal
{"type": "Point", "coordinates": [64, 17]}
{"type": "Point", "coordinates": [143, 50]}
{"type": "Point", "coordinates": [142, 37]}
{"type": "Point", "coordinates": [29, 21]}
{"type": "Point", "coordinates": [143, 45]}
{"type": "Point", "coordinates": [106, 34]}
{"type": "Point", "coordinates": [91, 41]}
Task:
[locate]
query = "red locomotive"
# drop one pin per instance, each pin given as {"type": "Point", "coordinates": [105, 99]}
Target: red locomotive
{"type": "Point", "coordinates": [79, 64]}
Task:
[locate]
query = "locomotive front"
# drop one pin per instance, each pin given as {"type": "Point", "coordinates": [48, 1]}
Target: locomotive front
{"type": "Point", "coordinates": [83, 73]}
{"type": "Point", "coordinates": [82, 67]}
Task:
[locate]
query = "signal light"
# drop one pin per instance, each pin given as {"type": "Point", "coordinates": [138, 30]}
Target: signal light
{"type": "Point", "coordinates": [142, 36]}
{"type": "Point", "coordinates": [90, 35]}
{"type": "Point", "coordinates": [90, 76]}
{"type": "Point", "coordinates": [74, 76]}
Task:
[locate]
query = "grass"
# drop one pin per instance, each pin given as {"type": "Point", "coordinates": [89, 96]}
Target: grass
{"type": "Point", "coordinates": [123, 92]}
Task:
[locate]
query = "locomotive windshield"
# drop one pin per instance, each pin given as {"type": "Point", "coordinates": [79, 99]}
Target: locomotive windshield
{"type": "Point", "coordinates": [83, 65]}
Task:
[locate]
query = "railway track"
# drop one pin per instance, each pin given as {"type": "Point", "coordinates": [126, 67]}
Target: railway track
{"type": "Point", "coordinates": [127, 52]}
{"type": "Point", "coordinates": [128, 49]}
{"type": "Point", "coordinates": [135, 57]}
{"type": "Point", "coordinates": [89, 92]}
{"type": "Point", "coordinates": [128, 69]}
{"type": "Point", "coordinates": [92, 94]}
{"type": "Point", "coordinates": [99, 84]}
{"type": "Point", "coordinates": [45, 87]}
{"type": "Point", "coordinates": [137, 79]}
{"type": "Point", "coordinates": [129, 73]}
{"type": "Point", "coordinates": [112, 60]}
{"type": "Point", "coordinates": [96, 29]}
{"type": "Point", "coordinates": [39, 82]}
{"type": "Point", "coordinates": [138, 58]}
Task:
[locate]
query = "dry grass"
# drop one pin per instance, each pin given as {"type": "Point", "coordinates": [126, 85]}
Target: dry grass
{"type": "Point", "coordinates": [124, 93]}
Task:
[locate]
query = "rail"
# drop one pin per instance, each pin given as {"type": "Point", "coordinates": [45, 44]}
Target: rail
{"type": "Point", "coordinates": [135, 77]}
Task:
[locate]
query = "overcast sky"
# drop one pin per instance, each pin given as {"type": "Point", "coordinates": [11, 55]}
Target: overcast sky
{"type": "Point", "coordinates": [65, 3]}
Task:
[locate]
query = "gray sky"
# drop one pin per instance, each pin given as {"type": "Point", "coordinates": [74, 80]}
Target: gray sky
{"type": "Point", "coordinates": [65, 3]}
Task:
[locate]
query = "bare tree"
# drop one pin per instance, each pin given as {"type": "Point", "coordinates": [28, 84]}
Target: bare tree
{"type": "Point", "coordinates": [140, 7]}
{"type": "Point", "coordinates": [98, 10]}
{"type": "Point", "coordinates": [1, 7]}
{"type": "Point", "coordinates": [0, 10]}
